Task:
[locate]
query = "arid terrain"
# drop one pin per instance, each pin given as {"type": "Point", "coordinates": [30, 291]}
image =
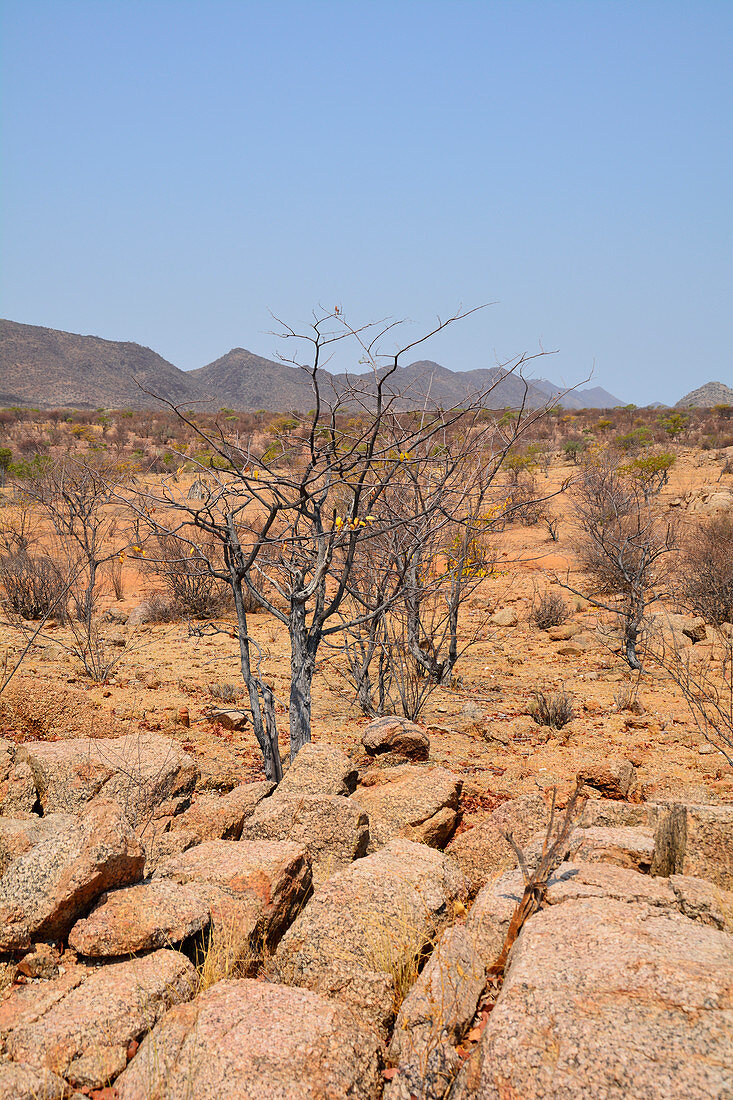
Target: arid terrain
{"type": "Point", "coordinates": [175, 756]}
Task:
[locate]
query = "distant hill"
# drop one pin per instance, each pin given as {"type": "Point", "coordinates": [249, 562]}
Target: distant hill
{"type": "Point", "coordinates": [593, 398]}
{"type": "Point", "coordinates": [704, 397]}
{"type": "Point", "coordinates": [47, 368]}
{"type": "Point", "coordinates": [242, 380]}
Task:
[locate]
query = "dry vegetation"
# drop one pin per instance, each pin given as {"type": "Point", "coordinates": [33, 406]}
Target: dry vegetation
{"type": "Point", "coordinates": [521, 699]}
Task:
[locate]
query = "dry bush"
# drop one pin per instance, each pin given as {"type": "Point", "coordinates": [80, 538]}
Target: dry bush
{"type": "Point", "coordinates": [706, 572]}
{"type": "Point", "coordinates": [33, 586]}
{"type": "Point", "coordinates": [225, 693]}
{"type": "Point", "coordinates": [554, 710]}
{"type": "Point", "coordinates": [184, 567]}
{"type": "Point", "coordinates": [550, 611]}
{"type": "Point", "coordinates": [523, 503]}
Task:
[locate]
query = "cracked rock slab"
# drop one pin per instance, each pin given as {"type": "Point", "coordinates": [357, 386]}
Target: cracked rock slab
{"type": "Point", "coordinates": [221, 817]}
{"type": "Point", "coordinates": [420, 804]}
{"type": "Point", "coordinates": [319, 769]}
{"type": "Point", "coordinates": [254, 887]}
{"type": "Point", "coordinates": [609, 999]}
{"type": "Point", "coordinates": [140, 918]}
{"type": "Point", "coordinates": [46, 889]}
{"type": "Point", "coordinates": [333, 830]}
{"type": "Point", "coordinates": [483, 852]}
{"type": "Point", "coordinates": [83, 1034]}
{"type": "Point", "coordinates": [141, 772]}
{"type": "Point", "coordinates": [249, 1040]}
{"type": "Point", "coordinates": [369, 922]}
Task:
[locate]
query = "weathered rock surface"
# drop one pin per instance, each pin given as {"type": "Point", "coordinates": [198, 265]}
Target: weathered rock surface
{"type": "Point", "coordinates": [396, 735]}
{"type": "Point", "coordinates": [695, 840]}
{"type": "Point", "coordinates": [482, 851]}
{"type": "Point", "coordinates": [613, 813]}
{"type": "Point", "coordinates": [441, 1003]}
{"type": "Point", "coordinates": [221, 817]}
{"type": "Point", "coordinates": [146, 774]}
{"type": "Point", "coordinates": [17, 786]}
{"type": "Point", "coordinates": [20, 835]}
{"type": "Point", "coordinates": [47, 888]}
{"type": "Point", "coordinates": [333, 830]}
{"type": "Point", "coordinates": [319, 769]}
{"type": "Point", "coordinates": [249, 1040]}
{"type": "Point", "coordinates": [608, 999]}
{"type": "Point", "coordinates": [626, 847]}
{"type": "Point", "coordinates": [140, 918]}
{"type": "Point", "coordinates": [417, 803]}
{"type": "Point", "coordinates": [612, 777]}
{"type": "Point", "coordinates": [83, 1034]}
{"type": "Point", "coordinates": [22, 1082]}
{"type": "Point", "coordinates": [253, 887]}
{"type": "Point", "coordinates": [368, 922]}
{"type": "Point", "coordinates": [488, 920]}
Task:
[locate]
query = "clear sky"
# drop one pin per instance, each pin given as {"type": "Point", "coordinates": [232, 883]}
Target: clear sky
{"type": "Point", "coordinates": [174, 169]}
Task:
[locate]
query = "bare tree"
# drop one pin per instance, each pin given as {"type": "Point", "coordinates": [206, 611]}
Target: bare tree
{"type": "Point", "coordinates": [292, 521]}
{"type": "Point", "coordinates": [707, 692]}
{"type": "Point", "coordinates": [623, 543]}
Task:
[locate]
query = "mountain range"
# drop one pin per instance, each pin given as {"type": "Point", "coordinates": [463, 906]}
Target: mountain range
{"type": "Point", "coordinates": [48, 368]}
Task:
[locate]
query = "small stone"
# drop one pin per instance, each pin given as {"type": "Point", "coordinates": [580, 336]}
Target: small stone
{"type": "Point", "coordinates": [396, 735]}
{"type": "Point", "coordinates": [505, 616]}
{"type": "Point", "coordinates": [42, 961]}
{"type": "Point", "coordinates": [612, 776]}
{"type": "Point", "coordinates": [562, 633]}
{"type": "Point", "coordinates": [230, 718]}
{"type": "Point", "coordinates": [695, 630]}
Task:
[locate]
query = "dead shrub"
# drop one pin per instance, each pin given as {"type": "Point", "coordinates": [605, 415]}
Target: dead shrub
{"type": "Point", "coordinates": [554, 710]}
{"type": "Point", "coordinates": [33, 586]}
{"type": "Point", "coordinates": [706, 573]}
{"type": "Point", "coordinates": [550, 611]}
{"type": "Point", "coordinates": [185, 569]}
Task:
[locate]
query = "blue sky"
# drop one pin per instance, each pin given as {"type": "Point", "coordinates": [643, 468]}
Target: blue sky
{"type": "Point", "coordinates": [174, 170]}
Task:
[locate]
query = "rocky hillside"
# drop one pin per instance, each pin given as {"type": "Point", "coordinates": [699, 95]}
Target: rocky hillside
{"type": "Point", "coordinates": [705, 397]}
{"type": "Point", "coordinates": [245, 381]}
{"type": "Point", "coordinates": [47, 368]}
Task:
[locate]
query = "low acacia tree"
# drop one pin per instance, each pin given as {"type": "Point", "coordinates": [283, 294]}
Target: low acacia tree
{"type": "Point", "coordinates": [294, 521]}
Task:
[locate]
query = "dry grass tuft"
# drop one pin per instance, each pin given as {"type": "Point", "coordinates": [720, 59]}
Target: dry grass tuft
{"type": "Point", "coordinates": [226, 953]}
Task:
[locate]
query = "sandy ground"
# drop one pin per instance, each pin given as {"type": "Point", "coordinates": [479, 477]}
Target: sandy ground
{"type": "Point", "coordinates": [480, 727]}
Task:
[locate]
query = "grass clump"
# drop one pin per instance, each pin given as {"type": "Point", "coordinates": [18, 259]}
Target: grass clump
{"type": "Point", "coordinates": [554, 710]}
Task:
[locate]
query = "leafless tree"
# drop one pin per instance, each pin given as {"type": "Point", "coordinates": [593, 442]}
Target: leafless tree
{"type": "Point", "coordinates": [622, 546]}
{"type": "Point", "coordinates": [293, 521]}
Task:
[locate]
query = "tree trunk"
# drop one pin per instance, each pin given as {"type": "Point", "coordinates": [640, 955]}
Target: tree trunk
{"type": "Point", "coordinates": [263, 725]}
{"type": "Point", "coordinates": [303, 648]}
